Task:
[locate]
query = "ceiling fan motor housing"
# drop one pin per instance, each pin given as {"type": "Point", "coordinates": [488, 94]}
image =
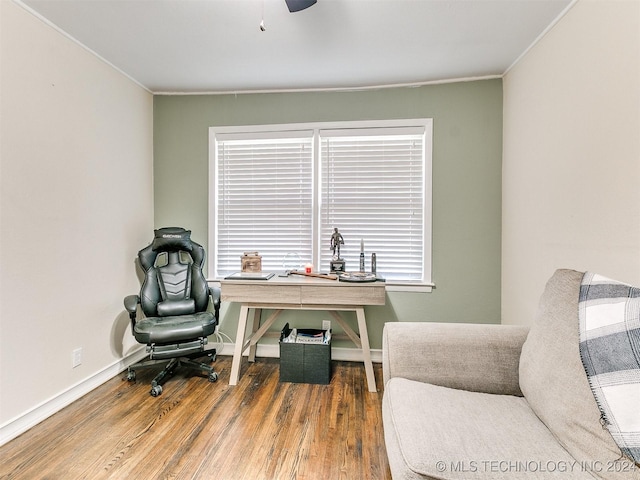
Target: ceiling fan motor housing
{"type": "Point", "coordinates": [297, 5]}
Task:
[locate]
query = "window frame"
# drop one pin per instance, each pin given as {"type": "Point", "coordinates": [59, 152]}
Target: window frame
{"type": "Point", "coordinates": [277, 129]}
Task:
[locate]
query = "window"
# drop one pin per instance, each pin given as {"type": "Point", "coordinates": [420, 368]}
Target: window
{"type": "Point", "coordinates": [280, 189]}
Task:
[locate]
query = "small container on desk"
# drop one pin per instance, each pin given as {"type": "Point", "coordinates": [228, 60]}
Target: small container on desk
{"type": "Point", "coordinates": [308, 359]}
{"type": "Point", "coordinates": [251, 262]}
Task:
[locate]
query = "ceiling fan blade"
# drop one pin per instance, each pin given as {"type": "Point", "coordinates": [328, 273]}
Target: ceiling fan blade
{"type": "Point", "coordinates": [297, 5]}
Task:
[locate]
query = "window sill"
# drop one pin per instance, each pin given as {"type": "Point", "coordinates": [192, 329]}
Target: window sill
{"type": "Point", "coordinates": [410, 287]}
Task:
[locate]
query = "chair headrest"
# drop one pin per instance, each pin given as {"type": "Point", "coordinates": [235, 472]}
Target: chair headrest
{"type": "Point", "coordinates": [172, 239]}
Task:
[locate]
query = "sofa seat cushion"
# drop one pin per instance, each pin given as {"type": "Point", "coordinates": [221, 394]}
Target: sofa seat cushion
{"type": "Point", "coordinates": [436, 432]}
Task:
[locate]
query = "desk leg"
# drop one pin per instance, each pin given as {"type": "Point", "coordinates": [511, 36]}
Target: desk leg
{"type": "Point", "coordinates": [366, 351]}
{"type": "Point", "coordinates": [257, 314]}
{"type": "Point", "coordinates": [237, 353]}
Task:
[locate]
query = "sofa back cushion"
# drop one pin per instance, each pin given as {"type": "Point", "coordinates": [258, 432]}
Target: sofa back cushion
{"type": "Point", "coordinates": [554, 383]}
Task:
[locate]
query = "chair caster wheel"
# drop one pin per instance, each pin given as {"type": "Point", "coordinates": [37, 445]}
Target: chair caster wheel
{"type": "Point", "coordinates": [156, 390]}
{"type": "Point", "coordinates": [213, 377]}
{"type": "Point", "coordinates": [131, 376]}
{"type": "Point", "coordinates": [212, 357]}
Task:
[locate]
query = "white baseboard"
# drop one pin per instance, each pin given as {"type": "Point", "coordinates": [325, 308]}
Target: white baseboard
{"type": "Point", "coordinates": [23, 422]}
{"type": "Point", "coordinates": [337, 353]}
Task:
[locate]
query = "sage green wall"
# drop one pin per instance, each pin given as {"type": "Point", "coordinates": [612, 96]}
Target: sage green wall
{"type": "Point", "coordinates": [467, 164]}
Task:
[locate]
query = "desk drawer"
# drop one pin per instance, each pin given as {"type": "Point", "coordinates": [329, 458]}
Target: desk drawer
{"type": "Point", "coordinates": [342, 294]}
{"type": "Point", "coordinates": [258, 292]}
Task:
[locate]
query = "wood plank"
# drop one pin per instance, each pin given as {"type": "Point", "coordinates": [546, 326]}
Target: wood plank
{"type": "Point", "coordinates": [326, 276]}
{"type": "Point", "coordinates": [258, 429]}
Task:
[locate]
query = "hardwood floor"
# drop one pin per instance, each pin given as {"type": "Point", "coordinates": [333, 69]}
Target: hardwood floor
{"type": "Point", "coordinates": [258, 429]}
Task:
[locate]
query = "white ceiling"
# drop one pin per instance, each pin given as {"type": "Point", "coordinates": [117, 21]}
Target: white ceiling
{"type": "Point", "coordinates": [217, 45]}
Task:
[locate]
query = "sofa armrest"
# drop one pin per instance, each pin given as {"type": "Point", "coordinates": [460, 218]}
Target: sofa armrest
{"type": "Point", "coordinates": [475, 357]}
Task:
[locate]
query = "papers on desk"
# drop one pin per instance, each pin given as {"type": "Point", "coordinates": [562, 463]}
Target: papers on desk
{"type": "Point", "coordinates": [305, 335]}
{"type": "Point", "coordinates": [249, 276]}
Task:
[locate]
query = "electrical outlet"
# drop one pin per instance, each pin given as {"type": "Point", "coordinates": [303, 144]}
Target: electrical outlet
{"type": "Point", "coordinates": [77, 357]}
{"type": "Point", "coordinates": [326, 324]}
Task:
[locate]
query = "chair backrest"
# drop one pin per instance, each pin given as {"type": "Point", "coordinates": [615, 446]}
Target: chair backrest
{"type": "Point", "coordinates": [174, 283]}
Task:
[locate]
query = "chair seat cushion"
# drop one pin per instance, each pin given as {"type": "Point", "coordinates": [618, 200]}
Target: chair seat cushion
{"type": "Point", "coordinates": [436, 432]}
{"type": "Point", "coordinates": [174, 328]}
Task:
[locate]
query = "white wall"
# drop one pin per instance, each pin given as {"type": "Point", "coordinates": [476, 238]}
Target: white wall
{"type": "Point", "coordinates": [571, 160]}
{"type": "Point", "coordinates": [76, 203]}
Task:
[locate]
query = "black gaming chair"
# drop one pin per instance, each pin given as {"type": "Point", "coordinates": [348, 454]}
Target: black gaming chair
{"type": "Point", "coordinates": [175, 301]}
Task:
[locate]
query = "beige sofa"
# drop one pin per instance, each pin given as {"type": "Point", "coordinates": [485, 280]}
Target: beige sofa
{"type": "Point", "coordinates": [465, 401]}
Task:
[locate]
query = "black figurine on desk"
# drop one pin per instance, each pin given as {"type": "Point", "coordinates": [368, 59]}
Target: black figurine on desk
{"type": "Point", "coordinates": [337, 263]}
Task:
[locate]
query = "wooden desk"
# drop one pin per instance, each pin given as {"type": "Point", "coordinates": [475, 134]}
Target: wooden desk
{"type": "Point", "coordinates": [300, 293]}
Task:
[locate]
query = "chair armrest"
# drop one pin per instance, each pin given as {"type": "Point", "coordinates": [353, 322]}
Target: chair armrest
{"type": "Point", "coordinates": [475, 357]}
{"type": "Point", "coordinates": [131, 303]}
{"type": "Point", "coordinates": [214, 292]}
{"type": "Point", "coordinates": [215, 296]}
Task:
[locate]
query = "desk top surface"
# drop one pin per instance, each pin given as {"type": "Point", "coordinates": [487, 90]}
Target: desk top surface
{"type": "Point", "coordinates": [279, 279]}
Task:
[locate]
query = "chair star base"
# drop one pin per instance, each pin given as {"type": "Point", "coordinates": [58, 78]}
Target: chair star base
{"type": "Point", "coordinates": [173, 364]}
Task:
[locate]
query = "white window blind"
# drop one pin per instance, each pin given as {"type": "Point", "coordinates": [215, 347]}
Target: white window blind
{"type": "Point", "coordinates": [373, 189]}
{"type": "Point", "coordinates": [263, 198]}
{"type": "Point", "coordinates": [280, 189]}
